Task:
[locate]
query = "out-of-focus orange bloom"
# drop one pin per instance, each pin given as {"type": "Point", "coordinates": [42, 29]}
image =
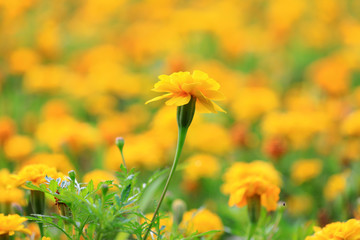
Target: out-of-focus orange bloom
{"type": "Point", "coordinates": [17, 147]}
{"type": "Point", "coordinates": [98, 176]}
{"type": "Point", "coordinates": [254, 102]}
{"type": "Point", "coordinates": [335, 186]}
{"type": "Point", "coordinates": [332, 74]}
{"type": "Point", "coordinates": [201, 221]}
{"type": "Point", "coordinates": [56, 160]}
{"type": "Point", "coordinates": [305, 169]}
{"type": "Point", "coordinates": [201, 165]}
{"type": "Point", "coordinates": [7, 128]}
{"type": "Point", "coordinates": [23, 59]}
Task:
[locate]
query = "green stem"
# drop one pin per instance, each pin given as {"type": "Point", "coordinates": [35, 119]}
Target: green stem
{"type": "Point", "coordinates": [123, 159]}
{"type": "Point", "coordinates": [4, 237]}
{"type": "Point", "coordinates": [41, 227]}
{"type": "Point", "coordinates": [180, 144]}
{"type": "Point", "coordinates": [251, 231]}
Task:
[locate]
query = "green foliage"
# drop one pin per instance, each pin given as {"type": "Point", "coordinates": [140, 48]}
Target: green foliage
{"type": "Point", "coordinates": [93, 212]}
{"type": "Point", "coordinates": [109, 210]}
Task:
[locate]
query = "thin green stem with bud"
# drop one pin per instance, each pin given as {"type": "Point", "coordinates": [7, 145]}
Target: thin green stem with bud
{"type": "Point", "coordinates": [185, 115]}
{"type": "Point", "coordinates": [180, 144]}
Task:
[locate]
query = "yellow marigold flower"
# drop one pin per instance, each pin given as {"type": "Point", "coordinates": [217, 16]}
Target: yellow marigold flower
{"type": "Point", "coordinates": [98, 176]}
{"type": "Point", "coordinates": [67, 131]}
{"type": "Point", "coordinates": [254, 102]}
{"type": "Point", "coordinates": [17, 147]}
{"type": "Point", "coordinates": [22, 59]}
{"type": "Point", "coordinates": [48, 38]}
{"type": "Point", "coordinates": [34, 228]}
{"type": "Point", "coordinates": [12, 223]}
{"type": "Point", "coordinates": [204, 137]}
{"type": "Point", "coordinates": [296, 126]}
{"type": "Point", "coordinates": [201, 165]}
{"type": "Point", "coordinates": [201, 220]}
{"type": "Point", "coordinates": [56, 160]}
{"type": "Point", "coordinates": [241, 170]}
{"type": "Point", "coordinates": [46, 238]}
{"type": "Point", "coordinates": [55, 109]}
{"type": "Point", "coordinates": [298, 205]}
{"type": "Point", "coordinates": [351, 124]}
{"type": "Point", "coordinates": [181, 86]}
{"type": "Point", "coordinates": [349, 230]}
{"type": "Point", "coordinates": [36, 174]}
{"type": "Point", "coordinates": [166, 223]}
{"type": "Point", "coordinates": [101, 104]}
{"type": "Point", "coordinates": [250, 187]}
{"type": "Point", "coordinates": [306, 169]}
{"type": "Point", "coordinates": [12, 194]}
{"type": "Point", "coordinates": [335, 186]}
{"type": "Point", "coordinates": [244, 181]}
{"type": "Point", "coordinates": [134, 157]}
{"type": "Point", "coordinates": [6, 179]}
{"type": "Point", "coordinates": [44, 78]}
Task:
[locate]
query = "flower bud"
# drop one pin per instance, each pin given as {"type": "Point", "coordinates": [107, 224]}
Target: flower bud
{"type": "Point", "coordinates": [119, 141]}
{"type": "Point", "coordinates": [178, 209]}
{"type": "Point", "coordinates": [104, 189]}
{"type": "Point", "coordinates": [185, 113]}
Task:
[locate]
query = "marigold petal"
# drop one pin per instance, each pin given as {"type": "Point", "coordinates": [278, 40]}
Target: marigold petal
{"type": "Point", "coordinates": [160, 97]}
{"type": "Point", "coordinates": [237, 198]}
{"type": "Point", "coordinates": [218, 108]}
{"type": "Point", "coordinates": [178, 100]}
{"type": "Point", "coordinates": [25, 230]}
{"type": "Point", "coordinates": [213, 94]}
{"type": "Point", "coordinates": [206, 103]}
{"type": "Point", "coordinates": [270, 198]}
{"type": "Point", "coordinates": [189, 87]}
{"type": "Point", "coordinates": [164, 85]}
{"type": "Point", "coordinates": [207, 83]}
{"type": "Point", "coordinates": [197, 74]}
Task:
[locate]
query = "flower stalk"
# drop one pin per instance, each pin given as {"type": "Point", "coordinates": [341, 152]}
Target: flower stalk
{"type": "Point", "coordinates": [254, 209]}
{"type": "Point", "coordinates": [185, 115]}
{"type": "Point", "coordinates": [37, 199]}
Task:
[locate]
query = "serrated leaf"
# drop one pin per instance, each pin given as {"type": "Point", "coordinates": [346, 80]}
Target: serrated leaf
{"type": "Point", "coordinates": [53, 186]}
{"type": "Point", "coordinates": [90, 186]}
{"type": "Point", "coordinates": [125, 193]}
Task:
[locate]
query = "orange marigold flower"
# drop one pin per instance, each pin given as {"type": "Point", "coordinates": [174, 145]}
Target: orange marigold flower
{"type": "Point", "coordinates": [12, 223]}
{"type": "Point", "coordinates": [349, 230]}
{"type": "Point", "coordinates": [241, 170]}
{"type": "Point", "coordinates": [181, 86]}
{"type": "Point", "coordinates": [245, 181]}
{"type": "Point", "coordinates": [255, 186]}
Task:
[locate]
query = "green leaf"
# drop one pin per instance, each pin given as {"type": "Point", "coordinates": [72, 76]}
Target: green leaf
{"type": "Point", "coordinates": [125, 193]}
{"type": "Point", "coordinates": [53, 186]}
{"type": "Point", "coordinates": [90, 186]}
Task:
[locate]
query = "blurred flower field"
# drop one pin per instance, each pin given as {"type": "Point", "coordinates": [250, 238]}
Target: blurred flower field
{"type": "Point", "coordinates": [282, 162]}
